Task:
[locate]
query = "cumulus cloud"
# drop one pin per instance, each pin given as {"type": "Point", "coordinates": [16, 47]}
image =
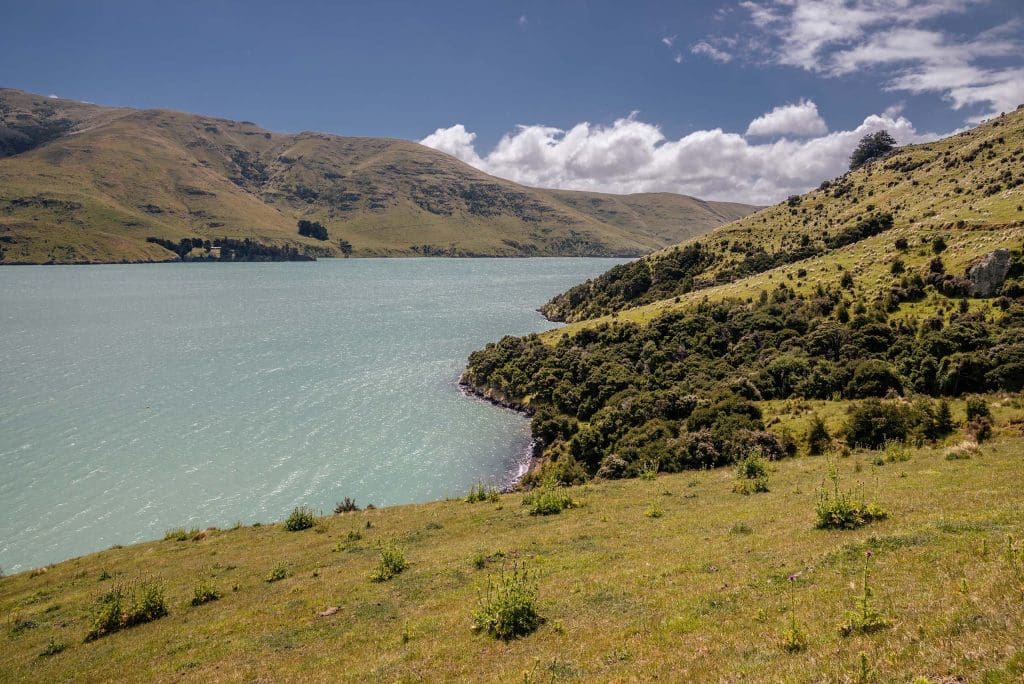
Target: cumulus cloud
{"type": "Point", "coordinates": [53, 97]}
{"type": "Point", "coordinates": [456, 141]}
{"type": "Point", "coordinates": [897, 39]}
{"type": "Point", "coordinates": [801, 119]}
{"type": "Point", "coordinates": [668, 41]}
{"type": "Point", "coordinates": [710, 51]}
{"type": "Point", "coordinates": [631, 155]}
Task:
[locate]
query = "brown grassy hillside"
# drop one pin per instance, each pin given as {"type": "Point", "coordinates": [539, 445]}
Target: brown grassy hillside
{"type": "Point", "coordinates": [84, 183]}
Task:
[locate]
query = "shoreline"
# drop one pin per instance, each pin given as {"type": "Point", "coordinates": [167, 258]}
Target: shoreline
{"type": "Point", "coordinates": [464, 257]}
{"type": "Point", "coordinates": [532, 458]}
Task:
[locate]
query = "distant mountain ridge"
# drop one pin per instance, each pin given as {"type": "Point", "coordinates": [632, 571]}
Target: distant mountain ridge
{"type": "Point", "coordinates": [85, 183]}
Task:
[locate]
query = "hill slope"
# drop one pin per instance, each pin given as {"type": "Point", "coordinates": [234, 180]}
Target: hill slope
{"type": "Point", "coordinates": [83, 183]}
{"type": "Point", "coordinates": [677, 578]}
{"type": "Point", "coordinates": [970, 183]}
{"type": "Point", "coordinates": [904, 279]}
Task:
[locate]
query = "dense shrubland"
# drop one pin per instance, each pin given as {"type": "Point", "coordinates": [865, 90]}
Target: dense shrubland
{"type": "Point", "coordinates": [680, 392]}
{"type": "Point", "coordinates": [231, 250]}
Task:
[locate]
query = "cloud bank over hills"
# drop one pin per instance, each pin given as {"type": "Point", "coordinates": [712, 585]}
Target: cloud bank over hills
{"type": "Point", "coordinates": [783, 152]}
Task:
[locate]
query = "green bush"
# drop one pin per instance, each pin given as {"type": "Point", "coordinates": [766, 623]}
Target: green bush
{"type": "Point", "coordinates": [753, 466]}
{"type": "Point", "coordinates": [508, 610]}
{"type": "Point", "coordinates": [346, 505]}
{"type": "Point", "coordinates": [873, 422]}
{"type": "Point", "coordinates": [180, 534]}
{"type": "Point", "coordinates": [752, 473]}
{"type": "Point", "coordinates": [52, 648]}
{"type": "Point", "coordinates": [278, 572]}
{"type": "Point", "coordinates": [977, 407]}
{"type": "Point", "coordinates": [548, 500]}
{"type": "Point", "coordinates": [301, 518]}
{"type": "Point", "coordinates": [126, 606]}
{"type": "Point", "coordinates": [818, 440]}
{"type": "Point", "coordinates": [481, 492]}
{"type": "Point", "coordinates": [392, 562]}
{"type": "Point", "coordinates": [204, 592]}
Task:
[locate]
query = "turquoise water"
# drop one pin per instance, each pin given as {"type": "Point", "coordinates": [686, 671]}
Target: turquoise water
{"type": "Point", "coordinates": [138, 398]}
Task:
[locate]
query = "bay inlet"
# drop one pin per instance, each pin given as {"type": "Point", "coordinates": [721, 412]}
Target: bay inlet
{"type": "Point", "coordinates": [137, 398]}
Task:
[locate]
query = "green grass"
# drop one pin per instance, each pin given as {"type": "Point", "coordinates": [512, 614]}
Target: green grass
{"type": "Point", "coordinates": [700, 594]}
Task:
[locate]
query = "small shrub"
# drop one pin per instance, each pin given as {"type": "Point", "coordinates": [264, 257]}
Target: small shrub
{"type": "Point", "coordinates": [654, 511]}
{"type": "Point", "coordinates": [180, 534]}
{"type": "Point", "coordinates": [979, 429]}
{"type": "Point", "coordinates": [741, 528]}
{"type": "Point", "coordinates": [346, 505]}
{"type": "Point", "coordinates": [204, 592]}
{"type": "Point", "coordinates": [104, 574]}
{"type": "Point", "coordinates": [392, 562]}
{"type": "Point", "coordinates": [278, 573]}
{"type": "Point", "coordinates": [353, 536]}
{"type": "Point", "coordinates": [753, 466]}
{"type": "Point", "coordinates": [52, 648]}
{"type": "Point", "coordinates": [301, 518]}
{"type": "Point", "coordinates": [508, 610]}
{"type": "Point", "coordinates": [896, 452]}
{"type": "Point", "coordinates": [866, 619]}
{"type": "Point", "coordinates": [758, 485]}
{"type": "Point", "coordinates": [480, 492]}
{"type": "Point", "coordinates": [839, 510]}
{"type": "Point", "coordinates": [818, 440]}
{"type": "Point", "coordinates": [794, 639]}
{"type": "Point", "coordinates": [22, 625]}
{"type": "Point", "coordinates": [872, 423]}
{"type": "Point", "coordinates": [752, 473]}
{"type": "Point", "coordinates": [126, 606]}
{"type": "Point", "coordinates": [963, 451]}
{"type": "Point", "coordinates": [548, 500]}
{"type": "Point", "coordinates": [977, 407]}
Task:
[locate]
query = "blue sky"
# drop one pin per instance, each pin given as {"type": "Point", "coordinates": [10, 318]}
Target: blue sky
{"type": "Point", "coordinates": [643, 76]}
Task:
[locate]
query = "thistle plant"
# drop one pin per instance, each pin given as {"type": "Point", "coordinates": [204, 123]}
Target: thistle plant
{"type": "Point", "coordinates": [866, 619]}
{"type": "Point", "coordinates": [508, 609]}
{"type": "Point", "coordinates": [794, 639]}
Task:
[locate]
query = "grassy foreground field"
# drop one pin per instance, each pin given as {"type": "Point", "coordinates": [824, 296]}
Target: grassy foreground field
{"type": "Point", "coordinates": [674, 578]}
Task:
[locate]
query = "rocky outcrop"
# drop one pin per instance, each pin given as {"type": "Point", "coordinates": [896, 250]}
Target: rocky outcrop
{"type": "Point", "coordinates": [987, 274]}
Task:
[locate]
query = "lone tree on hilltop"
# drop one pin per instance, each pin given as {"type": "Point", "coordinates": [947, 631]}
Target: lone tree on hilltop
{"type": "Point", "coordinates": [871, 146]}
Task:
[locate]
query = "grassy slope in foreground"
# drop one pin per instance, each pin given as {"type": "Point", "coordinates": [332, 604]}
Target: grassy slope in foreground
{"type": "Point", "coordinates": [697, 594]}
{"type": "Point", "coordinates": [83, 183]}
{"type": "Point", "coordinates": [970, 184]}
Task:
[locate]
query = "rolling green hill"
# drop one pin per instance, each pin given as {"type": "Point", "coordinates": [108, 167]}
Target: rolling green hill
{"type": "Point", "coordinates": [966, 189]}
{"type": "Point", "coordinates": [84, 183]}
{"type": "Point", "coordinates": [902, 280]}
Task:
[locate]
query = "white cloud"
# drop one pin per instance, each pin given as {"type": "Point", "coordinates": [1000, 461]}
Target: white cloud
{"type": "Point", "coordinates": [456, 141]}
{"type": "Point", "coordinates": [53, 97]}
{"type": "Point", "coordinates": [635, 156]}
{"type": "Point", "coordinates": [668, 40]}
{"type": "Point", "coordinates": [801, 119]}
{"type": "Point", "coordinates": [523, 21]}
{"type": "Point", "coordinates": [894, 37]}
{"type": "Point", "coordinates": [710, 51]}
{"type": "Point", "coordinates": [678, 59]}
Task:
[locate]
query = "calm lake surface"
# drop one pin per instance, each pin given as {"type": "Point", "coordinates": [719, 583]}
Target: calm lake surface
{"type": "Point", "coordinates": [138, 398]}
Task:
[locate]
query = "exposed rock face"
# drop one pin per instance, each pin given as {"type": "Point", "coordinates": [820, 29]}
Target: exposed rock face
{"type": "Point", "coordinates": [988, 273]}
